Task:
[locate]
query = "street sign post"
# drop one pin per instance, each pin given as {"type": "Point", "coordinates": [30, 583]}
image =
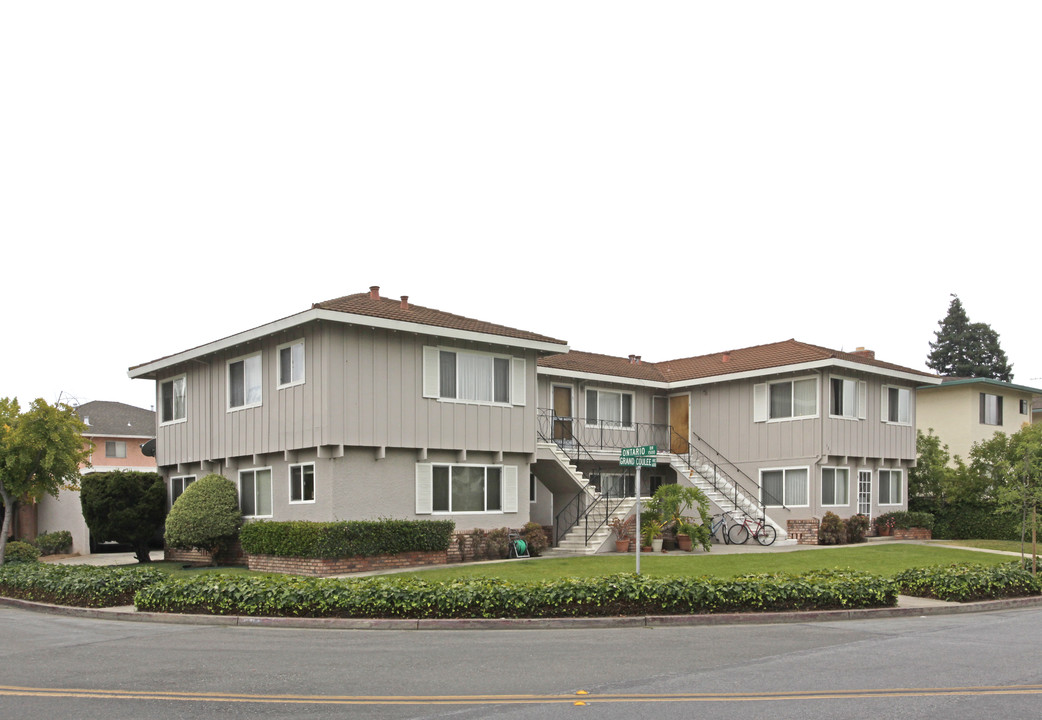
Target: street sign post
{"type": "Point", "coordinates": [638, 457]}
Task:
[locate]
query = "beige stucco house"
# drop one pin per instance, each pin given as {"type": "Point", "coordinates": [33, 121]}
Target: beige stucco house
{"type": "Point", "coordinates": [964, 411]}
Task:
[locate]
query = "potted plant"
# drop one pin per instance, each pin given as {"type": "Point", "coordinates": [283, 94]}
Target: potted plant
{"type": "Point", "coordinates": [622, 534]}
{"type": "Point", "coordinates": [651, 531]}
{"type": "Point", "coordinates": [678, 507]}
{"type": "Point", "coordinates": [884, 525]}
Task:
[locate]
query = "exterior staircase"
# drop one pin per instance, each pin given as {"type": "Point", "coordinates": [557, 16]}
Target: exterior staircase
{"type": "Point", "coordinates": [721, 490]}
{"type": "Point", "coordinates": [574, 542]}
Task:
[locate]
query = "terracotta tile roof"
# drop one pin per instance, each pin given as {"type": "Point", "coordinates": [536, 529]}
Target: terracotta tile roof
{"type": "Point", "coordinates": [758, 357]}
{"type": "Point", "coordinates": [366, 304]}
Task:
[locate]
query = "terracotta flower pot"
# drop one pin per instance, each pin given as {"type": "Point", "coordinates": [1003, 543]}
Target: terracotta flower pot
{"type": "Point", "coordinates": [622, 545]}
{"type": "Point", "coordinates": [684, 543]}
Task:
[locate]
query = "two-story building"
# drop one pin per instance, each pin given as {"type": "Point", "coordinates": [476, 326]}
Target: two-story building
{"type": "Point", "coordinates": [364, 407]}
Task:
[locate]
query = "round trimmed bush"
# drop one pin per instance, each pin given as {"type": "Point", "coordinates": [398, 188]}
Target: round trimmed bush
{"type": "Point", "coordinates": [205, 516]}
{"type": "Point", "coordinates": [18, 551]}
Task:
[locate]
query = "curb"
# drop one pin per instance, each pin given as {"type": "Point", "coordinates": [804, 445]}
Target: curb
{"type": "Point", "coordinates": [638, 621]}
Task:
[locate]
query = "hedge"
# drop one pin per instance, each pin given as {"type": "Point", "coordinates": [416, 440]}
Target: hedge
{"type": "Point", "coordinates": [389, 597]}
{"type": "Point", "coordinates": [965, 582]}
{"type": "Point", "coordinates": [76, 585]}
{"type": "Point", "coordinates": [53, 543]}
{"type": "Point", "coordinates": [969, 521]}
{"type": "Point", "coordinates": [344, 539]}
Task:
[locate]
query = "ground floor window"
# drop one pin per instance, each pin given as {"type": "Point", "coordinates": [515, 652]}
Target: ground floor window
{"type": "Point", "coordinates": [616, 485]}
{"type": "Point", "coordinates": [890, 487]}
{"type": "Point", "coordinates": [255, 492]}
{"type": "Point", "coordinates": [786, 486]}
{"type": "Point", "coordinates": [467, 488]}
{"type": "Point", "coordinates": [835, 486]}
{"type": "Point", "coordinates": [302, 483]}
{"type": "Point", "coordinates": [178, 485]}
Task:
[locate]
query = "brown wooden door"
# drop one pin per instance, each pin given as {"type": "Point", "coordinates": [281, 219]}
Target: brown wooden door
{"type": "Point", "coordinates": [678, 418]}
{"type": "Point", "coordinates": [562, 412]}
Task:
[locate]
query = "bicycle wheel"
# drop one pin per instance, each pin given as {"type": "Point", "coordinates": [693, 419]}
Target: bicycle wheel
{"type": "Point", "coordinates": [767, 535]}
{"type": "Point", "coordinates": [738, 534]}
{"type": "Point", "coordinates": [723, 531]}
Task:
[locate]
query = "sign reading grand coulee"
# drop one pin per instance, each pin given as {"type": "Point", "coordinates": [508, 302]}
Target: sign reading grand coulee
{"type": "Point", "coordinates": [640, 456]}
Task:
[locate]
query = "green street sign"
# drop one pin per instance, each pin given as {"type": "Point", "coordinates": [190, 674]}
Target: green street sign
{"type": "Point", "coordinates": [639, 451]}
{"type": "Point", "coordinates": [638, 461]}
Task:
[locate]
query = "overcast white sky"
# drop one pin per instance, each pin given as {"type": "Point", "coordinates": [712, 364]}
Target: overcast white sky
{"type": "Point", "coordinates": [661, 178]}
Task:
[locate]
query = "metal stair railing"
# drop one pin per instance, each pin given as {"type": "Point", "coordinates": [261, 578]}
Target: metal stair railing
{"type": "Point", "coordinates": [695, 455]}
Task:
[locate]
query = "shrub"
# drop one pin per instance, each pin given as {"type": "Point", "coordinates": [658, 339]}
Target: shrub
{"type": "Point", "coordinates": [968, 521]}
{"type": "Point", "coordinates": [300, 538]}
{"type": "Point", "coordinates": [53, 543]}
{"type": "Point", "coordinates": [965, 582]}
{"type": "Point", "coordinates": [904, 520]}
{"type": "Point", "coordinates": [857, 527]}
{"type": "Point", "coordinates": [78, 585]}
{"type": "Point", "coordinates": [499, 542]}
{"type": "Point", "coordinates": [18, 551]}
{"type": "Point", "coordinates": [205, 516]}
{"type": "Point", "coordinates": [124, 506]}
{"type": "Point", "coordinates": [832, 530]}
{"type": "Point", "coordinates": [386, 597]}
{"type": "Point", "coordinates": [535, 537]}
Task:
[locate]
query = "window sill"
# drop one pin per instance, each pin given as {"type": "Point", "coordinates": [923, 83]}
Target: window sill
{"type": "Point", "coordinates": [301, 502]}
{"type": "Point", "coordinates": [174, 422]}
{"type": "Point", "coordinates": [245, 407]}
{"type": "Point", "coordinates": [478, 403]}
{"type": "Point", "coordinates": [290, 385]}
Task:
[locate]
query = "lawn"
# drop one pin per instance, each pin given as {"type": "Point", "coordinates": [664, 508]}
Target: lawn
{"type": "Point", "coordinates": [886, 559]}
{"type": "Point", "coordinates": [1007, 545]}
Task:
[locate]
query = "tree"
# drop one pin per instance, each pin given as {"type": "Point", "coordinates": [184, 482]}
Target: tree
{"type": "Point", "coordinates": [124, 506]}
{"type": "Point", "coordinates": [942, 478]}
{"type": "Point", "coordinates": [205, 516]}
{"type": "Point", "coordinates": [965, 349]}
{"type": "Point", "coordinates": [41, 451]}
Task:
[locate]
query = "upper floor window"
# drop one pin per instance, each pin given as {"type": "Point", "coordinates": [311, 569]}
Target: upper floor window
{"type": "Point", "coordinates": [848, 398]}
{"type": "Point", "coordinates": [473, 377]}
{"type": "Point", "coordinates": [244, 382]}
{"type": "Point", "coordinates": [172, 400]}
{"type": "Point", "coordinates": [1023, 407]}
{"type": "Point", "coordinates": [785, 400]}
{"type": "Point", "coordinates": [291, 364]}
{"type": "Point", "coordinates": [607, 407]}
{"type": "Point", "coordinates": [115, 449]}
{"type": "Point", "coordinates": [897, 405]}
{"type": "Point", "coordinates": [990, 409]}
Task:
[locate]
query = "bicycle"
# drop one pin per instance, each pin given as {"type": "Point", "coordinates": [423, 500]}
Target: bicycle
{"type": "Point", "coordinates": [739, 533]}
{"type": "Point", "coordinates": [719, 523]}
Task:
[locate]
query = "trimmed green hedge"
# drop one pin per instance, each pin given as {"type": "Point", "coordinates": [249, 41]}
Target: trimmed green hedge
{"type": "Point", "coordinates": [966, 521]}
{"type": "Point", "coordinates": [53, 543]}
{"type": "Point", "coordinates": [76, 585]}
{"type": "Point", "coordinates": [905, 520]}
{"type": "Point", "coordinates": [964, 582]}
{"type": "Point", "coordinates": [389, 597]}
{"type": "Point", "coordinates": [344, 539]}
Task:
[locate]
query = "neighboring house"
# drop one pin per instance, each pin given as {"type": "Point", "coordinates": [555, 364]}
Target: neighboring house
{"type": "Point", "coordinates": [117, 431]}
{"type": "Point", "coordinates": [1036, 410]}
{"type": "Point", "coordinates": [365, 407]}
{"type": "Point", "coordinates": [964, 411]}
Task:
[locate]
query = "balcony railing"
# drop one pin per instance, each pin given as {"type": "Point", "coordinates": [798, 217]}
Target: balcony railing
{"type": "Point", "coordinates": [600, 434]}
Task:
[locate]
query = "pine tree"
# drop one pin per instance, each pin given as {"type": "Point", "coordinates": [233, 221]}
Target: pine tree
{"type": "Point", "coordinates": [965, 349]}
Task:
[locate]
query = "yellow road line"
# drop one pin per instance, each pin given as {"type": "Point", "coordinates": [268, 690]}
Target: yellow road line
{"type": "Point", "coordinates": [82, 693]}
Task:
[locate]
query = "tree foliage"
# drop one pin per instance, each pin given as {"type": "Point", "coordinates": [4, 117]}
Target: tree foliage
{"type": "Point", "coordinates": [41, 451]}
{"type": "Point", "coordinates": [966, 349]}
{"type": "Point", "coordinates": [1013, 463]}
{"type": "Point", "coordinates": [205, 516]}
{"type": "Point", "coordinates": [124, 506]}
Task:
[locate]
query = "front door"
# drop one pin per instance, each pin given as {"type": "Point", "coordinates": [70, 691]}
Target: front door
{"type": "Point", "coordinates": [678, 418]}
{"type": "Point", "coordinates": [562, 413]}
{"type": "Point", "coordinates": [864, 493]}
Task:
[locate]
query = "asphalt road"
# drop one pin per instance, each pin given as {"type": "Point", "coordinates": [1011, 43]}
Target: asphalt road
{"type": "Point", "coordinates": [976, 665]}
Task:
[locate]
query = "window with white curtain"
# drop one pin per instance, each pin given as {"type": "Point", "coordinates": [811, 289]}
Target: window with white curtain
{"type": "Point", "coordinates": [172, 400]}
{"type": "Point", "coordinates": [847, 398]}
{"type": "Point", "coordinates": [990, 409]}
{"type": "Point", "coordinates": [786, 399]}
{"type": "Point", "coordinates": [607, 407]}
{"type": "Point", "coordinates": [897, 405]}
{"type": "Point", "coordinates": [474, 377]}
{"type": "Point", "coordinates": [786, 486]}
{"type": "Point", "coordinates": [244, 382]}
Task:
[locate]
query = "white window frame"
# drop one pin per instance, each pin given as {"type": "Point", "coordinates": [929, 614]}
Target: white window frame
{"type": "Point", "coordinates": [174, 418]}
{"type": "Point", "coordinates": [533, 484]}
{"type": "Point", "coordinates": [182, 482]}
{"type": "Point", "coordinates": [762, 400]}
{"type": "Point", "coordinates": [117, 445]}
{"type": "Point", "coordinates": [314, 484]}
{"type": "Point", "coordinates": [516, 381]}
{"type": "Point", "coordinates": [425, 489]}
{"type": "Point", "coordinates": [1025, 407]}
{"type": "Point", "coordinates": [785, 471]}
{"type": "Point", "coordinates": [890, 472]}
{"type": "Point", "coordinates": [297, 374]}
{"type": "Point", "coordinates": [598, 422]}
{"type": "Point", "coordinates": [885, 408]}
{"type": "Point", "coordinates": [986, 409]}
{"type": "Point", "coordinates": [271, 493]}
{"type": "Point", "coordinates": [245, 382]}
{"type": "Point", "coordinates": [859, 392]}
{"type": "Point", "coordinates": [835, 485]}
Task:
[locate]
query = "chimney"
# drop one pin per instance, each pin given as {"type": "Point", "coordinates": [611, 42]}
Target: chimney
{"type": "Point", "coordinates": [634, 359]}
{"type": "Point", "coordinates": [638, 359]}
{"type": "Point", "coordinates": [726, 357]}
{"type": "Point", "coordinates": [405, 302]}
{"type": "Point", "coordinates": [870, 354]}
{"type": "Point", "coordinates": [374, 292]}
